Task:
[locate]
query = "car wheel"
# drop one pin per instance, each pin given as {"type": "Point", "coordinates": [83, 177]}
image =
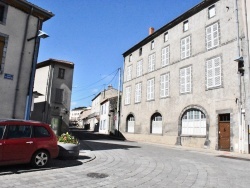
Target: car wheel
{"type": "Point", "coordinates": [40, 159]}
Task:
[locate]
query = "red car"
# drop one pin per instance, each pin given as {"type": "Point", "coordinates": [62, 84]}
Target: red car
{"type": "Point", "coordinates": [24, 141]}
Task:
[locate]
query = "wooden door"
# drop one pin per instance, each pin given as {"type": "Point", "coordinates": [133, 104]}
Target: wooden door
{"type": "Point", "coordinates": [224, 135]}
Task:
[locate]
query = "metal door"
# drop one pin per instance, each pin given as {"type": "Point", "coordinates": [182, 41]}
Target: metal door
{"type": "Point", "coordinates": [224, 135]}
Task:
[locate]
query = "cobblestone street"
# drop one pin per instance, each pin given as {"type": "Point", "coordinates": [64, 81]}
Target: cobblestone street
{"type": "Point", "coordinates": [112, 163]}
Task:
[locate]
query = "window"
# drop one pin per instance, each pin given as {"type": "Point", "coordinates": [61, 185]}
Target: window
{"type": "Point", "coordinates": [61, 73]}
{"type": "Point", "coordinates": [3, 13]}
{"type": "Point", "coordinates": [211, 11]}
{"type": "Point", "coordinates": [130, 58]}
{"type": "Point", "coordinates": [151, 62]}
{"type": "Point", "coordinates": [166, 37]}
{"type": "Point", "coordinates": [212, 36]}
{"type": "Point", "coordinates": [185, 47]}
{"type": "Point", "coordinates": [127, 95]}
{"type": "Point", "coordinates": [140, 51]}
{"type": "Point", "coordinates": [185, 26]}
{"type": "Point", "coordinates": [164, 85]}
{"type": "Point", "coordinates": [19, 131]}
{"type": "Point", "coordinates": [129, 73]}
{"type": "Point", "coordinates": [165, 56]}
{"type": "Point", "coordinates": [59, 95]}
{"type": "Point", "coordinates": [213, 72]}
{"type": "Point", "coordinates": [41, 132]}
{"type": "Point", "coordinates": [138, 93]}
{"type": "Point", "coordinates": [3, 49]}
{"type": "Point", "coordinates": [152, 45]}
{"type": "Point", "coordinates": [194, 122]}
{"type": "Point", "coordinates": [2, 128]}
{"type": "Point", "coordinates": [185, 80]}
{"type": "Point", "coordinates": [150, 89]}
{"type": "Point", "coordinates": [139, 68]}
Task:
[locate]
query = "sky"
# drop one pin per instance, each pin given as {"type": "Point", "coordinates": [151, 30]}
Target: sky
{"type": "Point", "coordinates": [93, 34]}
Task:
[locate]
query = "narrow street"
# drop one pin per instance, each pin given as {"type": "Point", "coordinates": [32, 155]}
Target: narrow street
{"type": "Point", "coordinates": [105, 162]}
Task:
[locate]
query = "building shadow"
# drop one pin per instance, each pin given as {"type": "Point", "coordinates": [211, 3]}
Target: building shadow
{"type": "Point", "coordinates": [54, 164]}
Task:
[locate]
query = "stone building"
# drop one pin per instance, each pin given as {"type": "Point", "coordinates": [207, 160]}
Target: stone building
{"type": "Point", "coordinates": [53, 80]}
{"type": "Point", "coordinates": [184, 83]}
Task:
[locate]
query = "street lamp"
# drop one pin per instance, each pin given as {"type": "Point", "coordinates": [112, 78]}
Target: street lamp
{"type": "Point", "coordinates": [41, 34]}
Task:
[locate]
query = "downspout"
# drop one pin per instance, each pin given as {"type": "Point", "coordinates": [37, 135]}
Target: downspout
{"type": "Point", "coordinates": [248, 61]}
{"type": "Point", "coordinates": [20, 63]}
{"type": "Point", "coordinates": [239, 76]}
{"type": "Point", "coordinates": [32, 73]}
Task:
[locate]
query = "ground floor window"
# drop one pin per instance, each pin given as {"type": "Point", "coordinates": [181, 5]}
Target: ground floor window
{"type": "Point", "coordinates": [156, 124]}
{"type": "Point", "coordinates": [194, 123]}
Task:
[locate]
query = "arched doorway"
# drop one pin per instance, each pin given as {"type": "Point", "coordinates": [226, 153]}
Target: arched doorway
{"type": "Point", "coordinates": [130, 123]}
{"type": "Point", "coordinates": [156, 123]}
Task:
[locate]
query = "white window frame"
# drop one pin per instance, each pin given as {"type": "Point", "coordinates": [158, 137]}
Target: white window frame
{"type": "Point", "coordinates": [139, 68]}
{"type": "Point", "coordinates": [185, 25]}
{"type": "Point", "coordinates": [186, 80]}
{"type": "Point", "coordinates": [129, 72]}
{"type": "Point", "coordinates": [165, 56]}
{"type": "Point", "coordinates": [130, 57]}
{"type": "Point", "coordinates": [212, 36]}
{"type": "Point", "coordinates": [152, 45]}
{"type": "Point", "coordinates": [185, 47]}
{"type": "Point", "coordinates": [166, 37]}
{"type": "Point", "coordinates": [151, 62]}
{"type": "Point", "coordinates": [164, 85]}
{"type": "Point", "coordinates": [213, 72]}
{"type": "Point", "coordinates": [127, 95]}
{"type": "Point", "coordinates": [138, 92]}
{"type": "Point", "coordinates": [150, 89]}
{"type": "Point", "coordinates": [211, 11]}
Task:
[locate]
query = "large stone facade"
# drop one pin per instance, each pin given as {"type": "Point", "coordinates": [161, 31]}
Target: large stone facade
{"type": "Point", "coordinates": [190, 88]}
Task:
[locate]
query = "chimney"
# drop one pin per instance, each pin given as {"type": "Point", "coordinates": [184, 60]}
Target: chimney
{"type": "Point", "coordinates": [110, 87]}
{"type": "Point", "coordinates": [151, 30]}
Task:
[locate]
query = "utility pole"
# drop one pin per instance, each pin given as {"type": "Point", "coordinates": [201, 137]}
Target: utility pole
{"type": "Point", "coordinates": [118, 104]}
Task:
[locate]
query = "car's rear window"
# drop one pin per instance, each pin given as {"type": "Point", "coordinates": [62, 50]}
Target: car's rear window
{"type": "Point", "coordinates": [19, 131]}
{"type": "Point", "coordinates": [41, 132]}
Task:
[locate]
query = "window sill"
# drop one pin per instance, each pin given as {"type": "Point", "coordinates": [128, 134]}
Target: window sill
{"type": "Point", "coordinates": [196, 136]}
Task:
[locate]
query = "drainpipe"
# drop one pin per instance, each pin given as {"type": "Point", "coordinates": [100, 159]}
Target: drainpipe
{"type": "Point", "coordinates": [241, 141]}
{"type": "Point", "coordinates": [118, 104]}
{"type": "Point", "coordinates": [32, 73]}
{"type": "Point", "coordinates": [248, 63]}
{"type": "Point", "coordinates": [20, 65]}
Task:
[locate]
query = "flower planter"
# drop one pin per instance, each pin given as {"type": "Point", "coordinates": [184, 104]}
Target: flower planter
{"type": "Point", "coordinates": [68, 150]}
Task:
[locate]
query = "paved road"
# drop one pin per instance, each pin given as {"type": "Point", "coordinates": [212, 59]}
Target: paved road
{"type": "Point", "coordinates": [113, 163]}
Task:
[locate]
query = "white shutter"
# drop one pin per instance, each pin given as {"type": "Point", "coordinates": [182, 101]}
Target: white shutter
{"type": "Point", "coordinates": [214, 72]}
{"type": "Point", "coordinates": [183, 48]}
{"type": "Point", "coordinates": [209, 37]}
{"type": "Point", "coordinates": [182, 80]}
{"type": "Point", "coordinates": [153, 62]}
{"type": "Point", "coordinates": [212, 36]}
{"type": "Point", "coordinates": [209, 73]}
{"type": "Point", "coordinates": [215, 35]}
{"type": "Point", "coordinates": [217, 72]}
{"type": "Point", "coordinates": [188, 79]}
{"type": "Point", "coordinates": [188, 46]}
